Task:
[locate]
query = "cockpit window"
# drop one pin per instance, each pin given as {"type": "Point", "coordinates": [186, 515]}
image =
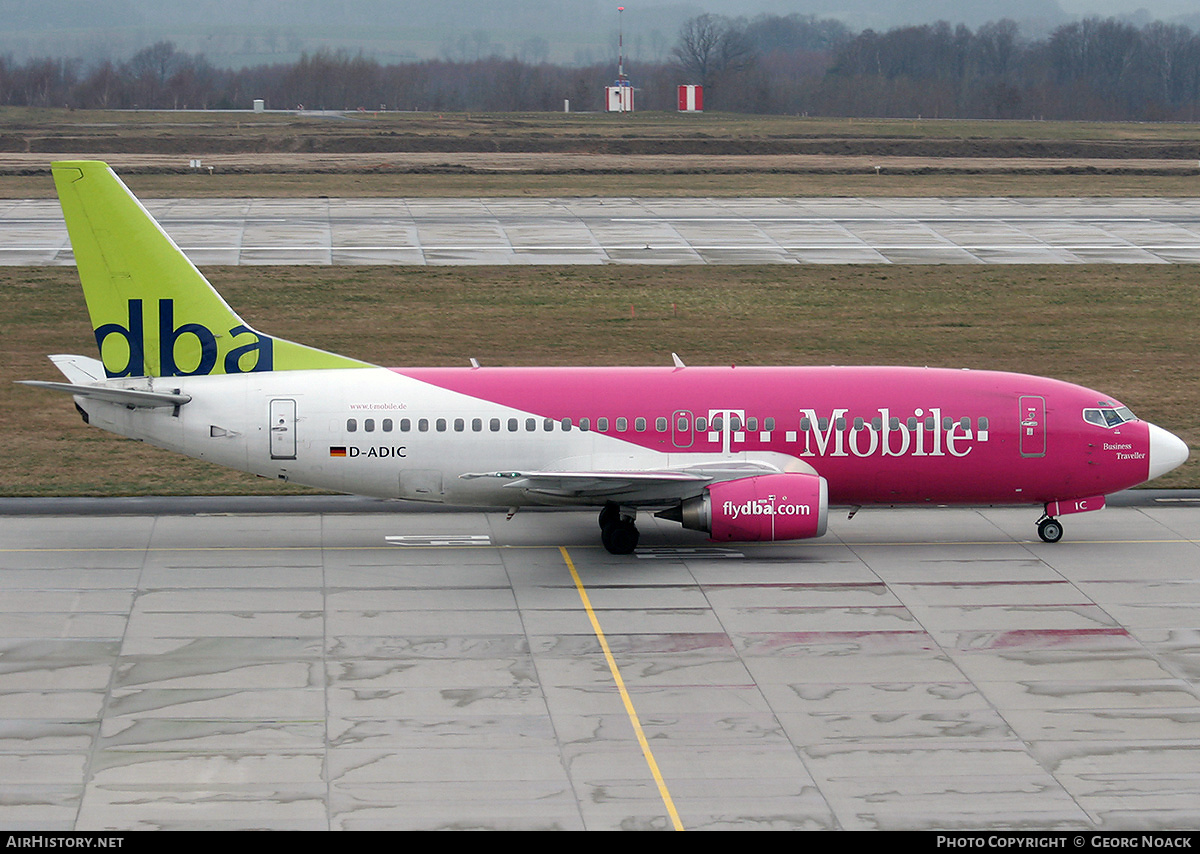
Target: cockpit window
{"type": "Point", "coordinates": [1108, 416]}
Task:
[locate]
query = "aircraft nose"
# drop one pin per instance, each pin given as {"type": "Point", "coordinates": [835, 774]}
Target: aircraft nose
{"type": "Point", "coordinates": [1167, 451]}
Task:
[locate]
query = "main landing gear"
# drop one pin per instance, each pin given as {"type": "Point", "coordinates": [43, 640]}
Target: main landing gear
{"type": "Point", "coordinates": [1049, 529]}
{"type": "Point", "coordinates": [618, 533]}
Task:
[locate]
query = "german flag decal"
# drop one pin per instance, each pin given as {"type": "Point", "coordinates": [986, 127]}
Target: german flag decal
{"type": "Point", "coordinates": [337, 450]}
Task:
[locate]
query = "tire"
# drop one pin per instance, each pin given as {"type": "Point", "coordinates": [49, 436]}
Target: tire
{"type": "Point", "coordinates": [1050, 530]}
{"type": "Point", "coordinates": [620, 538]}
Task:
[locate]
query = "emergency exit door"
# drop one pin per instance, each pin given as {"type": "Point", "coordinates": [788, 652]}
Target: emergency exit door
{"type": "Point", "coordinates": [283, 429]}
{"type": "Point", "coordinates": [1033, 425]}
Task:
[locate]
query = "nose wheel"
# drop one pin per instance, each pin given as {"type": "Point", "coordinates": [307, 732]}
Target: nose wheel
{"type": "Point", "coordinates": [1050, 530]}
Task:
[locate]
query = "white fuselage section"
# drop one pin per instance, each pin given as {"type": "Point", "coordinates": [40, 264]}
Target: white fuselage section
{"type": "Point", "coordinates": [375, 432]}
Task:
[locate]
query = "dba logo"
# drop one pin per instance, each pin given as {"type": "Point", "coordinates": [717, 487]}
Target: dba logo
{"type": "Point", "coordinates": [187, 342]}
{"type": "Point", "coordinates": [765, 507]}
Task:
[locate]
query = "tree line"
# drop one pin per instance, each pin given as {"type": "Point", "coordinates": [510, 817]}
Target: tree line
{"type": "Point", "coordinates": [1095, 69]}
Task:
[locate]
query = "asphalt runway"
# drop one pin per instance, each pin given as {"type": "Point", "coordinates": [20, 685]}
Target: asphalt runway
{"type": "Point", "coordinates": [330, 663]}
{"type": "Point", "coordinates": [645, 231]}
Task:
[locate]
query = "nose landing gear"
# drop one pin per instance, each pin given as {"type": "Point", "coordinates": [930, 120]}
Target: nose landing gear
{"type": "Point", "coordinates": [1049, 529]}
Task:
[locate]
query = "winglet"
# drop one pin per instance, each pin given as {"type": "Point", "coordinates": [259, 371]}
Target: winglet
{"type": "Point", "coordinates": [153, 312]}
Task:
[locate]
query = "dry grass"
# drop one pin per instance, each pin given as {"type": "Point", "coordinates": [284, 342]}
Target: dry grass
{"type": "Point", "coordinates": [136, 124]}
{"type": "Point", "coordinates": [577, 154]}
{"type": "Point", "coordinates": [1128, 330]}
{"type": "Point", "coordinates": [760, 184]}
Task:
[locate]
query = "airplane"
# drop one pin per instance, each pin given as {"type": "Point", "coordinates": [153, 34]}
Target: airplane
{"type": "Point", "coordinates": [744, 454]}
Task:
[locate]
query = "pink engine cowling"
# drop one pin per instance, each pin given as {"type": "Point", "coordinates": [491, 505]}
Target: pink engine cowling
{"type": "Point", "coordinates": [763, 508]}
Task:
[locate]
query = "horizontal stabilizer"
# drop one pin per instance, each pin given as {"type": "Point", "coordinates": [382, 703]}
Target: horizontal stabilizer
{"type": "Point", "coordinates": [79, 369]}
{"type": "Point", "coordinates": [124, 396]}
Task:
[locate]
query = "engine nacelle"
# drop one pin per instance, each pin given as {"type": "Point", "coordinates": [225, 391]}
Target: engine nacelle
{"type": "Point", "coordinates": [762, 508]}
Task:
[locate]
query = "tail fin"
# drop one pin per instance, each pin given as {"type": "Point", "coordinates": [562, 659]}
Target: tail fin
{"type": "Point", "coordinates": [153, 312]}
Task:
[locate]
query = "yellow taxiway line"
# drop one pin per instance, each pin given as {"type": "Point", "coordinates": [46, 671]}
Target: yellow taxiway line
{"type": "Point", "coordinates": [616, 674]}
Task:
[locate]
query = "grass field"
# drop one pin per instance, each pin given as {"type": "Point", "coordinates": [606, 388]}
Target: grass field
{"type": "Point", "coordinates": [588, 154]}
{"type": "Point", "coordinates": [244, 124]}
{"type": "Point", "coordinates": [1127, 330]}
{"type": "Point", "coordinates": [762, 184]}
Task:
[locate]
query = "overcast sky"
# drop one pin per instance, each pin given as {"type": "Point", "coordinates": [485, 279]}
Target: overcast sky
{"type": "Point", "coordinates": [579, 32]}
{"type": "Point", "coordinates": [1161, 9]}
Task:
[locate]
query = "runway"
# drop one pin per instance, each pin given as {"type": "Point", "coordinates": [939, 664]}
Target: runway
{"type": "Point", "coordinates": [645, 231]}
{"type": "Point", "coordinates": [332, 663]}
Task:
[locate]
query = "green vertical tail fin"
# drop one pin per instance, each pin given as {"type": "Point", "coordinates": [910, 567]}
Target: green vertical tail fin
{"type": "Point", "coordinates": [153, 312]}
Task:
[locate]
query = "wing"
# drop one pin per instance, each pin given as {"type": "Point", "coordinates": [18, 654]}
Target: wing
{"type": "Point", "coordinates": [626, 487]}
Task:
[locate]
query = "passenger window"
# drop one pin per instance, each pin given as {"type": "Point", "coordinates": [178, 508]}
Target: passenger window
{"type": "Point", "coordinates": [548, 425]}
{"type": "Point", "coordinates": [530, 425]}
{"type": "Point", "coordinates": [405, 425]}
{"type": "Point", "coordinates": [459, 425]}
{"type": "Point", "coordinates": [639, 424]}
{"type": "Point", "coordinates": [440, 424]}
{"type": "Point", "coordinates": [701, 424]}
{"type": "Point", "coordinates": [660, 424]}
{"type": "Point", "coordinates": [983, 423]}
{"type": "Point", "coordinates": [718, 423]}
{"type": "Point", "coordinates": [602, 425]}
{"type": "Point", "coordinates": [477, 425]}
{"type": "Point", "coordinates": [566, 425]}
{"type": "Point", "coordinates": [735, 422]}
{"type": "Point", "coordinates": [768, 423]}
{"type": "Point", "coordinates": [423, 425]}
{"type": "Point", "coordinates": [494, 425]}
{"type": "Point", "coordinates": [387, 425]}
{"type": "Point", "coordinates": [681, 425]}
{"type": "Point", "coordinates": [585, 424]}
{"type": "Point", "coordinates": [751, 424]}
{"type": "Point", "coordinates": [512, 425]}
{"type": "Point", "coordinates": [369, 425]}
{"type": "Point", "coordinates": [351, 425]}
{"type": "Point", "coordinates": [622, 425]}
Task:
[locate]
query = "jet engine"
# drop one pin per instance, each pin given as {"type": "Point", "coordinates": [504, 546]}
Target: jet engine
{"type": "Point", "coordinates": [762, 508]}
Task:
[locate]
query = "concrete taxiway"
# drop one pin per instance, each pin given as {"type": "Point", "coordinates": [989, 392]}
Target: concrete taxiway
{"type": "Point", "coordinates": [334, 663]}
{"type": "Point", "coordinates": [645, 231]}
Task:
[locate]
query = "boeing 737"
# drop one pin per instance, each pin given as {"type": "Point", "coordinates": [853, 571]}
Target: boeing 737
{"type": "Point", "coordinates": [742, 453]}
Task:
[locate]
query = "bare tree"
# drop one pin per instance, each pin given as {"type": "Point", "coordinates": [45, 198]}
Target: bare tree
{"type": "Point", "coordinates": [711, 46]}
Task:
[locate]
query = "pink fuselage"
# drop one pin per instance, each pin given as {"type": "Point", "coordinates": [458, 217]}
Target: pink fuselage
{"type": "Point", "coordinates": [925, 436]}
